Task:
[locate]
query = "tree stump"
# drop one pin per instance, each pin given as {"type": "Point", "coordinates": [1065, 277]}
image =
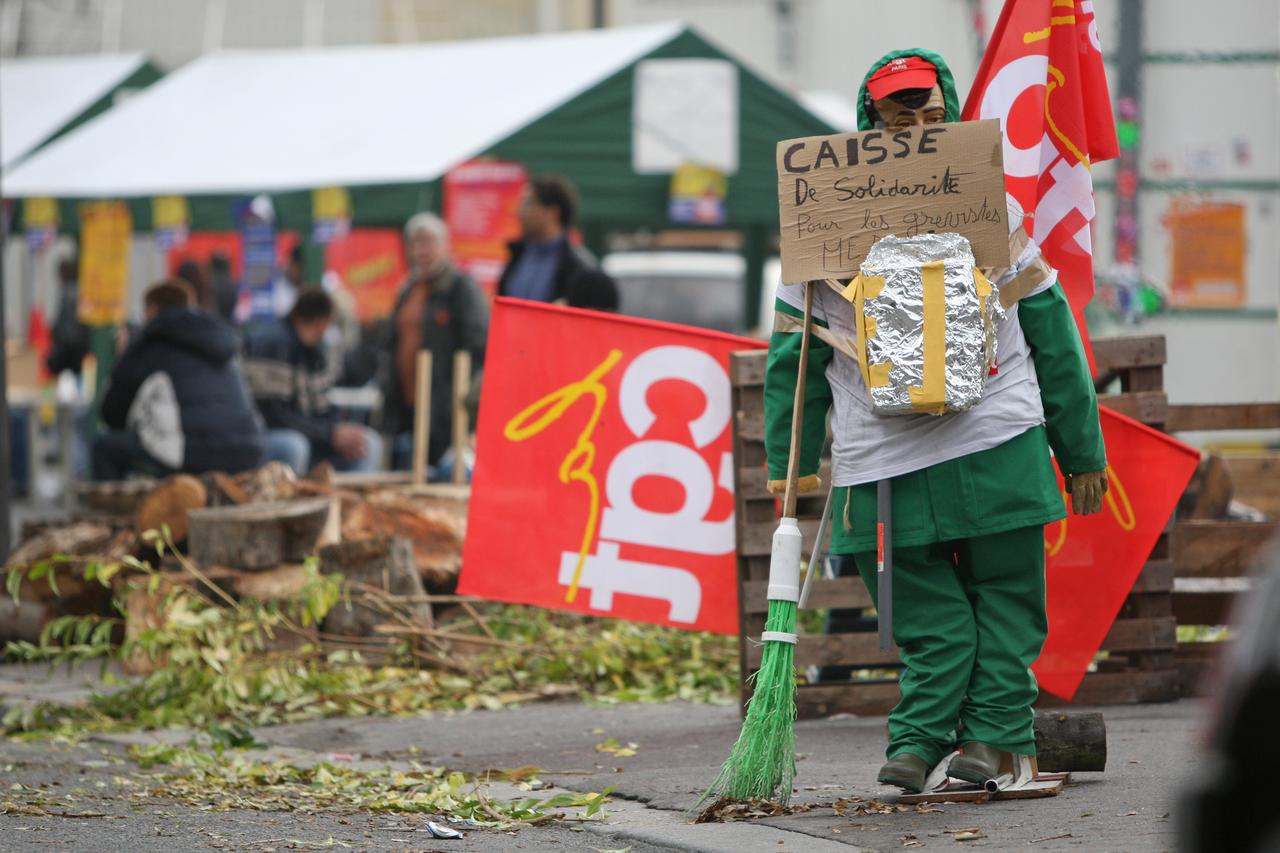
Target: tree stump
{"type": "Point", "coordinates": [277, 584]}
{"type": "Point", "coordinates": [23, 620]}
{"type": "Point", "coordinates": [257, 536]}
{"type": "Point", "coordinates": [1071, 742]}
{"type": "Point", "coordinates": [436, 530]}
{"type": "Point", "coordinates": [169, 504]}
{"type": "Point", "coordinates": [383, 562]}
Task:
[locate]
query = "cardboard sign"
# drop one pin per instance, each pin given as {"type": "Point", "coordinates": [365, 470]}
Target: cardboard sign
{"type": "Point", "coordinates": [838, 194]}
{"type": "Point", "coordinates": [604, 468]}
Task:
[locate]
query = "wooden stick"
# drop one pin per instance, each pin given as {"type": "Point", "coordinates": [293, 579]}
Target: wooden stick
{"type": "Point", "coordinates": [409, 630]}
{"type": "Point", "coordinates": [797, 409]}
{"type": "Point", "coordinates": [461, 427]}
{"type": "Point", "coordinates": [479, 620]}
{"type": "Point", "coordinates": [422, 417]}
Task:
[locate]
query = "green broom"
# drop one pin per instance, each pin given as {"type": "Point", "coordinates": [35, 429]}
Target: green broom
{"type": "Point", "coordinates": [762, 764]}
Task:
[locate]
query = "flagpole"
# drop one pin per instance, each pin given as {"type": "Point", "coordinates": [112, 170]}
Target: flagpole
{"type": "Point", "coordinates": [1126, 225]}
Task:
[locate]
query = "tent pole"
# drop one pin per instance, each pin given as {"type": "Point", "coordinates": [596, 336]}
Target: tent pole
{"type": "Point", "coordinates": [598, 14]}
{"type": "Point", "coordinates": [754, 248]}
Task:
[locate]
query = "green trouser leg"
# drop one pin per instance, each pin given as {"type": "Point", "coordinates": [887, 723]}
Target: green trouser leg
{"type": "Point", "coordinates": [969, 620]}
{"type": "Point", "coordinates": [1004, 578]}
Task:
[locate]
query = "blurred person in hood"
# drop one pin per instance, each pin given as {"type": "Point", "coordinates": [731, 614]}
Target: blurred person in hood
{"type": "Point", "coordinates": [176, 399]}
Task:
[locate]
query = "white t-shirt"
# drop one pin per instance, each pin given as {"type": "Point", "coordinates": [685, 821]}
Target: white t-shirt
{"type": "Point", "coordinates": [867, 447]}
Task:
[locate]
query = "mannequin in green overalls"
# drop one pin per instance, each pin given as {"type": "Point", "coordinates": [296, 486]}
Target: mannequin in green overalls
{"type": "Point", "coordinates": [972, 490]}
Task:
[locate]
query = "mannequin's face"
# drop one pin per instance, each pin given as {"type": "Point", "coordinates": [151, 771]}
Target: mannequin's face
{"type": "Point", "coordinates": [896, 116]}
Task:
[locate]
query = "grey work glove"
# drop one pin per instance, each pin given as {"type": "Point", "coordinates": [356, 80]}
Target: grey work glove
{"type": "Point", "coordinates": [1086, 491]}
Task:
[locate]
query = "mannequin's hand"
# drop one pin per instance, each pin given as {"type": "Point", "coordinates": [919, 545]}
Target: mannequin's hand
{"type": "Point", "coordinates": [806, 485]}
{"type": "Point", "coordinates": [1086, 491]}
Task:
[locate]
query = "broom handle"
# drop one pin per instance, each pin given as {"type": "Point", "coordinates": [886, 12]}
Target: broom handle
{"type": "Point", "coordinates": [797, 409]}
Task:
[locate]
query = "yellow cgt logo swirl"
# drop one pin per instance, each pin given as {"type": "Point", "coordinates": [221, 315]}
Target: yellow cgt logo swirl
{"type": "Point", "coordinates": [576, 467]}
{"type": "Point", "coordinates": [1116, 500]}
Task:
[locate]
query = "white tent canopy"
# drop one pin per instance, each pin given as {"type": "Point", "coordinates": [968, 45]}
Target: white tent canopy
{"type": "Point", "coordinates": [251, 121]}
{"type": "Point", "coordinates": [39, 96]}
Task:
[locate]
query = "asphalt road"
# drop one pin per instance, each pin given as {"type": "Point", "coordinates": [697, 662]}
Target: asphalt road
{"type": "Point", "coordinates": [679, 748]}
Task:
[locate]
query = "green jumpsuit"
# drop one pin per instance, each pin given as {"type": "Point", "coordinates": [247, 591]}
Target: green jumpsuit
{"type": "Point", "coordinates": [969, 559]}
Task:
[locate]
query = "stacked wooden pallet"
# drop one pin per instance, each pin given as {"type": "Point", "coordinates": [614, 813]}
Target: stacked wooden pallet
{"type": "Point", "coordinates": [1214, 554]}
{"type": "Point", "coordinates": [1139, 664]}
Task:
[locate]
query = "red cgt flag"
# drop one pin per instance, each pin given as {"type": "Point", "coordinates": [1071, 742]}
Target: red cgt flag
{"type": "Point", "coordinates": [1092, 561]}
{"type": "Point", "coordinates": [604, 468]}
{"type": "Point", "coordinates": [1042, 76]}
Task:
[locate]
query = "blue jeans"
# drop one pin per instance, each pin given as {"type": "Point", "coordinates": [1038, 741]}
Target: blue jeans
{"type": "Point", "coordinates": [440, 472]}
{"type": "Point", "coordinates": [294, 449]}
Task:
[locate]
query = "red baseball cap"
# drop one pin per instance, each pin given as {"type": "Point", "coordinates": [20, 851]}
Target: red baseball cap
{"type": "Point", "coordinates": [905, 72]}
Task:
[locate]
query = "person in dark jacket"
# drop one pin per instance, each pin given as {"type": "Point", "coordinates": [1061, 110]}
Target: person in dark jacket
{"type": "Point", "coordinates": [544, 264]}
{"type": "Point", "coordinates": [176, 399]}
{"type": "Point", "coordinates": [70, 342]}
{"type": "Point", "coordinates": [439, 309]}
{"type": "Point", "coordinates": [290, 378]}
{"type": "Point", "coordinates": [225, 290]}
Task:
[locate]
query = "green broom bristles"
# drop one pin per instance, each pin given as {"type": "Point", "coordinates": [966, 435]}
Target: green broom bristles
{"type": "Point", "coordinates": [762, 764]}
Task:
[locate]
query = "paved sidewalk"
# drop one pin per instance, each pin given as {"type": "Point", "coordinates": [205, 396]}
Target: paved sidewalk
{"type": "Point", "coordinates": [679, 748]}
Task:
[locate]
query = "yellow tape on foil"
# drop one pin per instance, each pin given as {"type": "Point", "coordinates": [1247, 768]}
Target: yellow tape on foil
{"type": "Point", "coordinates": [858, 292]}
{"type": "Point", "coordinates": [931, 395]}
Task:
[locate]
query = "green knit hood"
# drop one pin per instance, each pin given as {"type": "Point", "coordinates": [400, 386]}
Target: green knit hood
{"type": "Point", "coordinates": [945, 80]}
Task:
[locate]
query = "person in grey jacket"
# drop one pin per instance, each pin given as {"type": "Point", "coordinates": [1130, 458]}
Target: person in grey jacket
{"type": "Point", "coordinates": [440, 309]}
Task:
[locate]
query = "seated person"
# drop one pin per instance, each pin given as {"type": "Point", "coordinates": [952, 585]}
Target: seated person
{"type": "Point", "coordinates": [176, 400]}
{"type": "Point", "coordinates": [290, 378]}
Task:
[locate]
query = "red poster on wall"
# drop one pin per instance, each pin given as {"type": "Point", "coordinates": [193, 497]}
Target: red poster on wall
{"type": "Point", "coordinates": [200, 245]}
{"type": "Point", "coordinates": [604, 468]}
{"type": "Point", "coordinates": [1093, 560]}
{"type": "Point", "coordinates": [482, 209]}
{"type": "Point", "coordinates": [370, 262]}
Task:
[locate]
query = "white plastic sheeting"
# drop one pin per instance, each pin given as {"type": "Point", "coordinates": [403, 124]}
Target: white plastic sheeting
{"type": "Point", "coordinates": [41, 95]}
{"type": "Point", "coordinates": [254, 121]}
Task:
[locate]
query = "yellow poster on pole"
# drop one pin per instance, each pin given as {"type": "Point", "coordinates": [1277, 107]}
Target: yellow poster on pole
{"type": "Point", "coordinates": [106, 233]}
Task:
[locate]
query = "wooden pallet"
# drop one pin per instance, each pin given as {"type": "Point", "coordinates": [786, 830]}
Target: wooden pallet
{"type": "Point", "coordinates": [1213, 558]}
{"type": "Point", "coordinates": [1140, 662]}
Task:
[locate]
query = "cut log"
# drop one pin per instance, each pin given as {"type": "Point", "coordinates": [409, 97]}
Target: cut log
{"type": "Point", "coordinates": [1209, 493]}
{"type": "Point", "coordinates": [144, 610]}
{"type": "Point", "coordinates": [257, 536]}
{"type": "Point", "coordinates": [382, 562]}
{"type": "Point", "coordinates": [23, 620]}
{"type": "Point", "coordinates": [1070, 742]}
{"type": "Point", "coordinates": [273, 482]}
{"type": "Point", "coordinates": [225, 490]}
{"type": "Point", "coordinates": [77, 539]}
{"type": "Point", "coordinates": [436, 533]}
{"type": "Point", "coordinates": [118, 497]}
{"type": "Point", "coordinates": [169, 504]}
{"type": "Point", "coordinates": [277, 584]}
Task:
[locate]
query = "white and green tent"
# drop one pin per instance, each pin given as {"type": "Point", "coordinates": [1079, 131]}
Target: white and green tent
{"type": "Point", "coordinates": [45, 97]}
{"type": "Point", "coordinates": [613, 110]}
